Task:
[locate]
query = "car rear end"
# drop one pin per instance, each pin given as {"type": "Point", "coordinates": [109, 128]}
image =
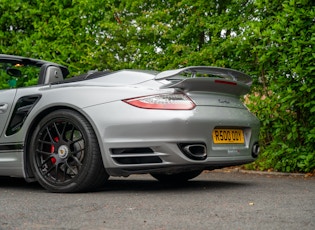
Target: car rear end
{"type": "Point", "coordinates": [190, 123]}
{"type": "Point", "coordinates": [229, 131]}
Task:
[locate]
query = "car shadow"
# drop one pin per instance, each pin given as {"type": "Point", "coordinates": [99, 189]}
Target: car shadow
{"type": "Point", "coordinates": [16, 183]}
{"type": "Point", "coordinates": [134, 185]}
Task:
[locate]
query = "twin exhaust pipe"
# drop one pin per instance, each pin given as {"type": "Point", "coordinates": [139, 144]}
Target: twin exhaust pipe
{"type": "Point", "coordinates": [194, 151]}
{"type": "Point", "coordinates": [198, 151]}
{"type": "Point", "coordinates": [255, 150]}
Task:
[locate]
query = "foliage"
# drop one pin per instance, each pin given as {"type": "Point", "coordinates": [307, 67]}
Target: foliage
{"type": "Point", "coordinates": [285, 101]}
{"type": "Point", "coordinates": [26, 76]}
{"type": "Point", "coordinates": [273, 41]}
{"type": "Point", "coordinates": [63, 31]}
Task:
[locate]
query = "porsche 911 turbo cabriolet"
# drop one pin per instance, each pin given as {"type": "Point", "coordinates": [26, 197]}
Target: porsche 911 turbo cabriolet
{"type": "Point", "coordinates": [71, 133]}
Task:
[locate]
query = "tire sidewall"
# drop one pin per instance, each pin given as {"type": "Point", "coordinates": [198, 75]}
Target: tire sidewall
{"type": "Point", "coordinates": [79, 181]}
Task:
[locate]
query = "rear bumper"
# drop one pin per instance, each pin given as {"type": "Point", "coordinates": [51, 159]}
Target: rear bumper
{"type": "Point", "coordinates": [145, 141]}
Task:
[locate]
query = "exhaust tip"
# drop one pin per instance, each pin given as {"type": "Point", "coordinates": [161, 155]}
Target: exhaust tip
{"type": "Point", "coordinates": [194, 151]}
{"type": "Point", "coordinates": [255, 150]}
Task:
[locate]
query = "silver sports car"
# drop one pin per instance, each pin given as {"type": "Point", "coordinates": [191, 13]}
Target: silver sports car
{"type": "Point", "coordinates": [71, 134]}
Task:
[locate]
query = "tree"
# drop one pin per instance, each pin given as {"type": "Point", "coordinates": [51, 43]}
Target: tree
{"type": "Point", "coordinates": [65, 31]}
{"type": "Point", "coordinates": [285, 102]}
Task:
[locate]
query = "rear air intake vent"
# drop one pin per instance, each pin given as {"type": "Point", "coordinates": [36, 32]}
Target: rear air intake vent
{"type": "Point", "coordinates": [131, 150]}
{"type": "Point", "coordinates": [138, 160]}
{"type": "Point", "coordinates": [135, 156]}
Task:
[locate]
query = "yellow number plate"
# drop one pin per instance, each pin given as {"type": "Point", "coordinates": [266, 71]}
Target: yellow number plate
{"type": "Point", "coordinates": [228, 136]}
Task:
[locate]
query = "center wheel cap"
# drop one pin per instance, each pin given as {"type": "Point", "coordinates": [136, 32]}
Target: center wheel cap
{"type": "Point", "coordinates": [63, 151]}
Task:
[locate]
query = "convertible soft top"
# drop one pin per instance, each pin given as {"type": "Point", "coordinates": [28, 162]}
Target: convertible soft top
{"type": "Point", "coordinates": [31, 61]}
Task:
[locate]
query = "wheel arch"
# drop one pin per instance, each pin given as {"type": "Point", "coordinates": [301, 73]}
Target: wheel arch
{"type": "Point", "coordinates": [28, 172]}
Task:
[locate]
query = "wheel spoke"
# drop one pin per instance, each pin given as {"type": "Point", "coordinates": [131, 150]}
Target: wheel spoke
{"type": "Point", "coordinates": [71, 169]}
{"type": "Point", "coordinates": [61, 176]}
{"type": "Point", "coordinates": [77, 151]}
{"type": "Point", "coordinates": [75, 141]}
{"type": "Point", "coordinates": [56, 174]}
{"type": "Point", "coordinates": [64, 129]}
{"type": "Point", "coordinates": [57, 131]}
{"type": "Point", "coordinates": [50, 169]}
{"type": "Point", "coordinates": [44, 142]}
{"type": "Point", "coordinates": [41, 152]}
{"type": "Point", "coordinates": [45, 161]}
{"type": "Point", "coordinates": [72, 133]}
{"type": "Point", "coordinates": [49, 134]}
{"type": "Point", "coordinates": [77, 161]}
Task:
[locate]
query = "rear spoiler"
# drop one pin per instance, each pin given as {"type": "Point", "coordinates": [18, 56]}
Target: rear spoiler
{"type": "Point", "coordinates": [229, 74]}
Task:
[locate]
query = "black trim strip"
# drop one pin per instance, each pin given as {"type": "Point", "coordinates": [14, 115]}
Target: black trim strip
{"type": "Point", "coordinates": [11, 147]}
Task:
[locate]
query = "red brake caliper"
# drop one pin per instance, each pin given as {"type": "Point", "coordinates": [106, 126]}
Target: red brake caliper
{"type": "Point", "coordinates": [52, 150]}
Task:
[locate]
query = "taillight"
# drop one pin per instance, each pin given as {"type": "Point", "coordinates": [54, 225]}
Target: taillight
{"type": "Point", "coordinates": [163, 101]}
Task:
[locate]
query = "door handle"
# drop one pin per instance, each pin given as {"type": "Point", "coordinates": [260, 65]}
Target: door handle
{"type": "Point", "coordinates": [3, 108]}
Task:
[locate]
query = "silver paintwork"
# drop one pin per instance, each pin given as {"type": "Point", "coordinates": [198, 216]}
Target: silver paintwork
{"type": "Point", "coordinates": [119, 125]}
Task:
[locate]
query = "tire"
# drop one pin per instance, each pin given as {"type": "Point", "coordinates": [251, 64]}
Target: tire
{"type": "Point", "coordinates": [65, 155]}
{"type": "Point", "coordinates": [176, 177]}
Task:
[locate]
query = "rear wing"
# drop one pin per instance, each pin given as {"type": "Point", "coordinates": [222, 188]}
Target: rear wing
{"type": "Point", "coordinates": [225, 80]}
{"type": "Point", "coordinates": [229, 74]}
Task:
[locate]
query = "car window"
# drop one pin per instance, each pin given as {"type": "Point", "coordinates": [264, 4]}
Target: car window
{"type": "Point", "coordinates": [17, 75]}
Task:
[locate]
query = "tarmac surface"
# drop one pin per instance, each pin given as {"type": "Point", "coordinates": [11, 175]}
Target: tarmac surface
{"type": "Point", "coordinates": [221, 199]}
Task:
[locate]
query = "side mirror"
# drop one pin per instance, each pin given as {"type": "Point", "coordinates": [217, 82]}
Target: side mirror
{"type": "Point", "coordinates": [14, 72]}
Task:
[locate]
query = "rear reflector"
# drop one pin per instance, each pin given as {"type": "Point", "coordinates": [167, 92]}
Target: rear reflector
{"type": "Point", "coordinates": [225, 82]}
{"type": "Point", "coordinates": [163, 101]}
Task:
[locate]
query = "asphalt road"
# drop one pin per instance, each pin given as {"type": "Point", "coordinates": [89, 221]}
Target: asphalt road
{"type": "Point", "coordinates": [214, 200]}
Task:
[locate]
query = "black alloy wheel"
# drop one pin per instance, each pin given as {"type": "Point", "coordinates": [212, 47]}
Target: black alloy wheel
{"type": "Point", "coordinates": [65, 155]}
